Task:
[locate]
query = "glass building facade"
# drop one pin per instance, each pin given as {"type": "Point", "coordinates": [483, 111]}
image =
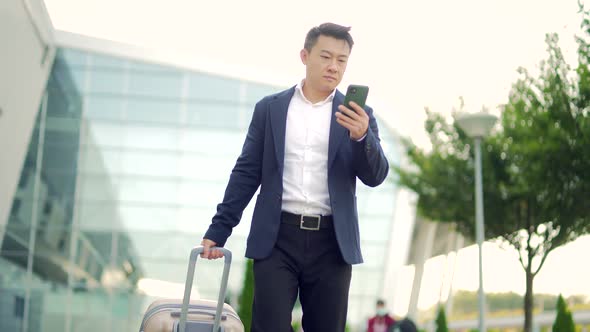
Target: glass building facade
{"type": "Point", "coordinates": [125, 167]}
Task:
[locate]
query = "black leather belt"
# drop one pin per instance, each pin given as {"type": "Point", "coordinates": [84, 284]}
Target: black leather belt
{"type": "Point", "coordinates": [310, 222]}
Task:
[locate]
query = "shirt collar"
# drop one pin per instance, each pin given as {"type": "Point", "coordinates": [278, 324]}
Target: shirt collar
{"type": "Point", "coordinates": [299, 89]}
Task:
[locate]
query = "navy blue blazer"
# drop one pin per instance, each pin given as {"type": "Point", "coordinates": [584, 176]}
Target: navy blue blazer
{"type": "Point", "coordinates": [261, 164]}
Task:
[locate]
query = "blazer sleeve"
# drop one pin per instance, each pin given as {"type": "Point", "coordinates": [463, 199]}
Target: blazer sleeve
{"type": "Point", "coordinates": [243, 182]}
{"type": "Point", "coordinates": [370, 163]}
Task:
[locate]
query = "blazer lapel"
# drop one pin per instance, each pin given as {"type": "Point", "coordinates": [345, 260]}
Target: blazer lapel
{"type": "Point", "coordinates": [337, 133]}
{"type": "Point", "coordinates": [278, 123]}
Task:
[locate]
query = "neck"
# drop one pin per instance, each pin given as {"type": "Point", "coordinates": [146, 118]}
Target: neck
{"type": "Point", "coordinates": [314, 95]}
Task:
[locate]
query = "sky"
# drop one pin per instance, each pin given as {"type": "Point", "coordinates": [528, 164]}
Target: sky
{"type": "Point", "coordinates": [412, 54]}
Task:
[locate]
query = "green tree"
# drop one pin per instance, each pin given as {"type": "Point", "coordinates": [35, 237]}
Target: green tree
{"type": "Point", "coordinates": [247, 297]}
{"type": "Point", "coordinates": [535, 180]}
{"type": "Point", "coordinates": [441, 320]}
{"type": "Point", "coordinates": [564, 321]}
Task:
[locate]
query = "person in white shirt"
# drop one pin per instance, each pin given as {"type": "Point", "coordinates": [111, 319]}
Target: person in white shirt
{"type": "Point", "coordinates": [305, 151]}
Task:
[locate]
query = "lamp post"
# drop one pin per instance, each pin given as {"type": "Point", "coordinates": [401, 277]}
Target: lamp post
{"type": "Point", "coordinates": [478, 126]}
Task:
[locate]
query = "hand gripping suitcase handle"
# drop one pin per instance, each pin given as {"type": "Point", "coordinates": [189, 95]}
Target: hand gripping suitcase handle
{"type": "Point", "coordinates": [189, 285]}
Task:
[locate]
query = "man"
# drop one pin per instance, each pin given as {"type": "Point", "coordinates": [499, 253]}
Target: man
{"type": "Point", "coordinates": [381, 322]}
{"type": "Point", "coordinates": [305, 150]}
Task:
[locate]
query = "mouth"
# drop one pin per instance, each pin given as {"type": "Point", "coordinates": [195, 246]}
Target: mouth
{"type": "Point", "coordinates": [330, 78]}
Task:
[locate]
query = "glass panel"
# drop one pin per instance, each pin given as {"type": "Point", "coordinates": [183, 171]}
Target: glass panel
{"type": "Point", "coordinates": [147, 190]}
{"type": "Point", "coordinates": [79, 75]}
{"type": "Point", "coordinates": [54, 234]}
{"type": "Point", "coordinates": [163, 84]}
{"type": "Point", "coordinates": [201, 194]}
{"type": "Point", "coordinates": [14, 307]}
{"type": "Point", "coordinates": [73, 57]}
{"type": "Point", "coordinates": [103, 133]}
{"type": "Point", "coordinates": [208, 87]}
{"type": "Point", "coordinates": [205, 167]}
{"type": "Point", "coordinates": [151, 246]}
{"type": "Point", "coordinates": [103, 61]}
{"type": "Point", "coordinates": [53, 244]}
{"type": "Point", "coordinates": [214, 115]}
{"type": "Point", "coordinates": [137, 66]}
{"type": "Point", "coordinates": [93, 215]}
{"type": "Point", "coordinates": [149, 217]}
{"type": "Point", "coordinates": [106, 81]}
{"type": "Point", "coordinates": [104, 107]}
{"type": "Point", "coordinates": [95, 248]}
{"type": "Point", "coordinates": [151, 137]}
{"type": "Point", "coordinates": [156, 111]}
{"type": "Point", "coordinates": [166, 270]}
{"type": "Point", "coordinates": [22, 209]}
{"type": "Point", "coordinates": [15, 244]}
{"type": "Point", "coordinates": [60, 160]}
{"type": "Point", "coordinates": [102, 161]}
{"type": "Point", "coordinates": [86, 317]}
{"type": "Point", "coordinates": [98, 187]}
{"type": "Point", "coordinates": [220, 142]}
{"type": "Point", "coordinates": [255, 92]}
{"type": "Point", "coordinates": [150, 163]}
{"type": "Point", "coordinates": [63, 104]}
{"type": "Point", "coordinates": [197, 218]}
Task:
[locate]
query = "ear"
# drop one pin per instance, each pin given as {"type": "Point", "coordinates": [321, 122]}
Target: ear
{"type": "Point", "coordinates": [304, 55]}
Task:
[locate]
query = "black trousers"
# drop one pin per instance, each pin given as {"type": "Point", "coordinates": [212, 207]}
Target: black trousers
{"type": "Point", "coordinates": [305, 262]}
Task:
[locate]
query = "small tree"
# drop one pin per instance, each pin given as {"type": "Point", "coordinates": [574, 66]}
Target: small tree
{"type": "Point", "coordinates": [441, 320]}
{"type": "Point", "coordinates": [247, 296]}
{"type": "Point", "coordinates": [564, 321]}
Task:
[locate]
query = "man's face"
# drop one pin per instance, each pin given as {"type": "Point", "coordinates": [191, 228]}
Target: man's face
{"type": "Point", "coordinates": [325, 63]}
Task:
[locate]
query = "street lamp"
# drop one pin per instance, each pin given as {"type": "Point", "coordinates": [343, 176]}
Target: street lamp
{"type": "Point", "coordinates": [478, 126]}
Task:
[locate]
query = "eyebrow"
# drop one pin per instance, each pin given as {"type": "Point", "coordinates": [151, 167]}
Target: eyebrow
{"type": "Point", "coordinates": [330, 53]}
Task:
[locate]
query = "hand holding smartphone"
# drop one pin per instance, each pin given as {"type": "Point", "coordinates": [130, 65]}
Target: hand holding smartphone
{"type": "Point", "coordinates": [356, 93]}
{"type": "Point", "coordinates": [357, 123]}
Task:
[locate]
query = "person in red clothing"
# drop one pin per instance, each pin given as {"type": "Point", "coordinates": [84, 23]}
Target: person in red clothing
{"type": "Point", "coordinates": [381, 321]}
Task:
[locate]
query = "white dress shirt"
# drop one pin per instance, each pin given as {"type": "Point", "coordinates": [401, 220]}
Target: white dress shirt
{"type": "Point", "coordinates": [305, 172]}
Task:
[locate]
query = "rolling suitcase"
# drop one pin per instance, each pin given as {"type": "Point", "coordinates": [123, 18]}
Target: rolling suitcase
{"type": "Point", "coordinates": [183, 315]}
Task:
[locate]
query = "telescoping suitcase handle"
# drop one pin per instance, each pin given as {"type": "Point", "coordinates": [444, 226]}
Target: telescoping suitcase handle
{"type": "Point", "coordinates": [195, 252]}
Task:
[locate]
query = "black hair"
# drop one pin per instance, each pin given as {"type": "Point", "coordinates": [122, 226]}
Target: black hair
{"type": "Point", "coordinates": [330, 30]}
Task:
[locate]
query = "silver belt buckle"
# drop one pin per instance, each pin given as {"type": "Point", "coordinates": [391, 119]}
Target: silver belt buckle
{"type": "Point", "coordinates": [314, 216]}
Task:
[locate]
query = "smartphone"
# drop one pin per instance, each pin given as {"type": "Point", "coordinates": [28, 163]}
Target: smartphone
{"type": "Point", "coordinates": [356, 93]}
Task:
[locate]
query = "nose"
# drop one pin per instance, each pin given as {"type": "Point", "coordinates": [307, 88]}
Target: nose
{"type": "Point", "coordinates": [333, 67]}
